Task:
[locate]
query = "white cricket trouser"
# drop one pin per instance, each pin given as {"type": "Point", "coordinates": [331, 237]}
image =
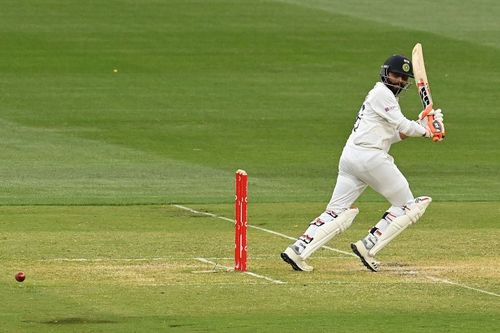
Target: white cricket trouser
{"type": "Point", "coordinates": [361, 167]}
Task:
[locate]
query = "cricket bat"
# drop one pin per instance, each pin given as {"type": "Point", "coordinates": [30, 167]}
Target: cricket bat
{"type": "Point", "coordinates": [417, 59]}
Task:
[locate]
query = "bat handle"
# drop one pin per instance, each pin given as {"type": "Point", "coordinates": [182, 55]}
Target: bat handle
{"type": "Point", "coordinates": [430, 121]}
{"type": "Point", "coordinates": [437, 136]}
{"type": "Point", "coordinates": [427, 110]}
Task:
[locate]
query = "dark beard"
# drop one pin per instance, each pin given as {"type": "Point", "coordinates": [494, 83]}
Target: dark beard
{"type": "Point", "coordinates": [396, 90]}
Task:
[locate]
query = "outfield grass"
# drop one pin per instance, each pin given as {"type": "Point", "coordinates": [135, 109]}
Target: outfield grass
{"type": "Point", "coordinates": [133, 268]}
{"type": "Point", "coordinates": [93, 161]}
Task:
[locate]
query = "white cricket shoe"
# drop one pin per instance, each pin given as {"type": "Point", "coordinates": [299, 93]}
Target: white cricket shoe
{"type": "Point", "coordinates": [291, 256]}
{"type": "Point", "coordinates": [360, 250]}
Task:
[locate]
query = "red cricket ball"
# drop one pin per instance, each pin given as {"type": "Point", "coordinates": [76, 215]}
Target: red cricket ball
{"type": "Point", "coordinates": [20, 277]}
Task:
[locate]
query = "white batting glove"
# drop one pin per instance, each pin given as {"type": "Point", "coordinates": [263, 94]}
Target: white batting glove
{"type": "Point", "coordinates": [435, 130]}
{"type": "Point", "coordinates": [423, 120]}
{"type": "Point", "coordinates": [438, 114]}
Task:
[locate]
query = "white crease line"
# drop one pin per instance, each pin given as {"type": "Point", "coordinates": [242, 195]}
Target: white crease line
{"type": "Point", "coordinates": [104, 259]}
{"type": "Point", "coordinates": [156, 259]}
{"type": "Point", "coordinates": [435, 279]}
{"type": "Point", "coordinates": [230, 269]}
{"type": "Point", "coordinates": [460, 285]}
{"type": "Point", "coordinates": [258, 228]}
{"type": "Point", "coordinates": [296, 283]}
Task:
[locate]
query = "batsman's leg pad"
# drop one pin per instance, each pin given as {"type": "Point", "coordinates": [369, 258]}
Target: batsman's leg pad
{"type": "Point", "coordinates": [413, 211]}
{"type": "Point", "coordinates": [416, 209]}
{"type": "Point", "coordinates": [329, 230]}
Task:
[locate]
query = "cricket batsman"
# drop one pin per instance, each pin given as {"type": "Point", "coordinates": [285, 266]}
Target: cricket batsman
{"type": "Point", "coordinates": [365, 161]}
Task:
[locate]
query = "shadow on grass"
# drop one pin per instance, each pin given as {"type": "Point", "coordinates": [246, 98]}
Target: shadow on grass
{"type": "Point", "coordinates": [75, 321]}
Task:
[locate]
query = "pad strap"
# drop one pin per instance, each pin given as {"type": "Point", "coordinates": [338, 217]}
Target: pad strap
{"type": "Point", "coordinates": [413, 212]}
{"type": "Point", "coordinates": [329, 230]}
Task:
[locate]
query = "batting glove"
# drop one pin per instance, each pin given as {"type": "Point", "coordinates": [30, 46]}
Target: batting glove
{"type": "Point", "coordinates": [436, 129]}
{"type": "Point", "coordinates": [438, 114]}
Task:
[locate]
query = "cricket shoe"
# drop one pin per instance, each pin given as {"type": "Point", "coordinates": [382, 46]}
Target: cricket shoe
{"type": "Point", "coordinates": [291, 256]}
{"type": "Point", "coordinates": [360, 250]}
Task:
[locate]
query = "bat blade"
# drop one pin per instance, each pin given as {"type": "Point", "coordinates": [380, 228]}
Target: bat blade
{"type": "Point", "coordinates": [422, 84]}
{"type": "Point", "coordinates": [421, 81]}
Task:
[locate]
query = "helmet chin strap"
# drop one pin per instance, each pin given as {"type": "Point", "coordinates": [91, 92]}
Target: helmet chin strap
{"type": "Point", "coordinates": [396, 90]}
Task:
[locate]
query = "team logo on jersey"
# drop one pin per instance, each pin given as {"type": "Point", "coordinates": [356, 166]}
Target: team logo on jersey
{"type": "Point", "coordinates": [389, 108]}
{"type": "Point", "coordinates": [406, 67]}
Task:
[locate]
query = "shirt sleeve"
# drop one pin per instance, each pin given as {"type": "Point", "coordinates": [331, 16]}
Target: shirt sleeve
{"type": "Point", "coordinates": [395, 138]}
{"type": "Point", "coordinates": [387, 107]}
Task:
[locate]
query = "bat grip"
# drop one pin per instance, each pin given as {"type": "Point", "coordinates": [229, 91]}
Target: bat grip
{"type": "Point", "coordinates": [427, 110]}
{"type": "Point", "coordinates": [437, 136]}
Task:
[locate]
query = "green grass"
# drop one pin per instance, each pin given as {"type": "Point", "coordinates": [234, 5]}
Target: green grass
{"type": "Point", "coordinates": [130, 268]}
{"type": "Point", "coordinates": [91, 161]}
{"type": "Point", "coordinates": [204, 88]}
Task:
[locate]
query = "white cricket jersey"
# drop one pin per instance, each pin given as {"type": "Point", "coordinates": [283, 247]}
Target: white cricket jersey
{"type": "Point", "coordinates": [380, 121]}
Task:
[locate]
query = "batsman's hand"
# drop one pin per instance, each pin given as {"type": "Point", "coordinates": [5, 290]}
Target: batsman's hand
{"type": "Point", "coordinates": [435, 130]}
{"type": "Point", "coordinates": [423, 116]}
{"type": "Point", "coordinates": [432, 121]}
{"type": "Point", "coordinates": [438, 114]}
